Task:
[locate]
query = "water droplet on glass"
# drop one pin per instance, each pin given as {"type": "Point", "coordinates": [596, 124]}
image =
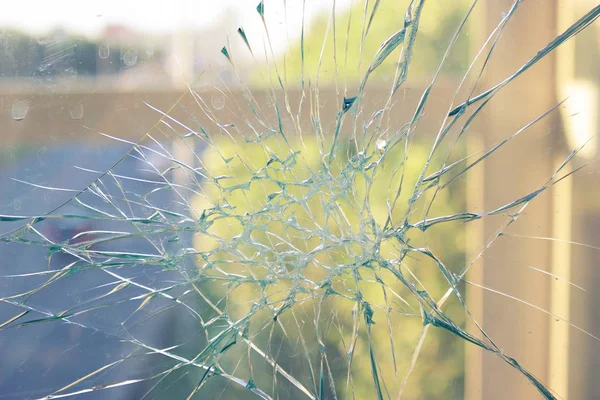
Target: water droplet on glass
{"type": "Point", "coordinates": [150, 51]}
{"type": "Point", "coordinates": [503, 15]}
{"type": "Point", "coordinates": [76, 111]}
{"type": "Point", "coordinates": [19, 110]}
{"type": "Point", "coordinates": [17, 205]}
{"type": "Point", "coordinates": [130, 57]}
{"type": "Point", "coordinates": [103, 51]}
{"type": "Point", "coordinates": [217, 101]}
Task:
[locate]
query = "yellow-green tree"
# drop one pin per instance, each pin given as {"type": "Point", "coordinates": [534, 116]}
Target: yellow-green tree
{"type": "Point", "coordinates": [295, 250]}
{"type": "Point", "coordinates": [358, 33]}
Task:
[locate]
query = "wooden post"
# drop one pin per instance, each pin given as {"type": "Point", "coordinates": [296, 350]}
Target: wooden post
{"type": "Point", "coordinates": [573, 354]}
{"type": "Point", "coordinates": [524, 165]}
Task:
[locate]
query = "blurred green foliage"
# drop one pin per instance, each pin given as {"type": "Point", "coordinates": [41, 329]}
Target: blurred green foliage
{"type": "Point", "coordinates": [294, 236]}
{"type": "Point", "coordinates": [281, 215]}
{"type": "Point", "coordinates": [355, 46]}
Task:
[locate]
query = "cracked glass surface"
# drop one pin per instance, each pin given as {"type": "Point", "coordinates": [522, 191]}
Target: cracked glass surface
{"type": "Point", "coordinates": [294, 229]}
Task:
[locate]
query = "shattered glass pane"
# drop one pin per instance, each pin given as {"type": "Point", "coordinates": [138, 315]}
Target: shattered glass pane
{"type": "Point", "coordinates": [299, 205]}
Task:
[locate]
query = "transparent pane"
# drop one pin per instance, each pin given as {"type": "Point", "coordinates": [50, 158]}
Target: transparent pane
{"type": "Point", "coordinates": [299, 199]}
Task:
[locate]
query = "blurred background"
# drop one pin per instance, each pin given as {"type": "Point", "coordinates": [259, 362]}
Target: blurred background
{"type": "Point", "coordinates": [82, 82]}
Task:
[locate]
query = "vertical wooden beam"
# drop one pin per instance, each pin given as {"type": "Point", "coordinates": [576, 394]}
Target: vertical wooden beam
{"type": "Point", "coordinates": [573, 356]}
{"type": "Point", "coordinates": [523, 166]}
{"type": "Point", "coordinates": [558, 367]}
{"type": "Point", "coordinates": [475, 297]}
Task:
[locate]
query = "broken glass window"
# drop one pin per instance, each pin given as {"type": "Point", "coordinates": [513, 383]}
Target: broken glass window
{"type": "Point", "coordinates": [293, 219]}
